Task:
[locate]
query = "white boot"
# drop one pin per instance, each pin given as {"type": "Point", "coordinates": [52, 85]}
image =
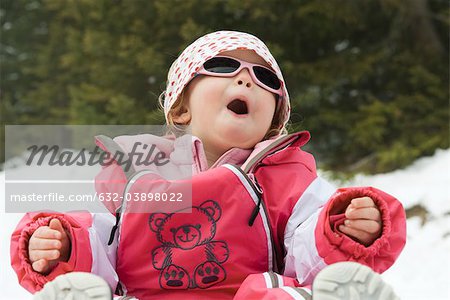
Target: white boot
{"type": "Point", "coordinates": [350, 281]}
{"type": "Point", "coordinates": [75, 285]}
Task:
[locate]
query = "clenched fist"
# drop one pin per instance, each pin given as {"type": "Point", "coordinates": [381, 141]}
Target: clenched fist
{"type": "Point", "coordinates": [363, 221]}
{"type": "Point", "coordinates": [47, 246]}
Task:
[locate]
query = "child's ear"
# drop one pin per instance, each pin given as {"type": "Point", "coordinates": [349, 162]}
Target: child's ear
{"type": "Point", "coordinates": [182, 115]}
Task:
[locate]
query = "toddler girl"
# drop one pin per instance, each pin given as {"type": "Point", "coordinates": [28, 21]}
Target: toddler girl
{"type": "Point", "coordinates": [262, 224]}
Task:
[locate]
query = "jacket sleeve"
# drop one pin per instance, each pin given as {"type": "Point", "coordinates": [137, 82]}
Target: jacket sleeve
{"type": "Point", "coordinates": [89, 233]}
{"type": "Point", "coordinates": [312, 242]}
{"type": "Point", "coordinates": [76, 225]}
{"type": "Point", "coordinates": [90, 252]}
{"type": "Point", "coordinates": [93, 243]}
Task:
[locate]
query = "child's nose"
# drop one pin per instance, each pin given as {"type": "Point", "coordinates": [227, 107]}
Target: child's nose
{"type": "Point", "coordinates": [244, 78]}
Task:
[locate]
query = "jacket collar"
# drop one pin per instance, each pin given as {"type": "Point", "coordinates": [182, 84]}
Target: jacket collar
{"type": "Point", "coordinates": [234, 156]}
{"type": "Point", "coordinates": [245, 158]}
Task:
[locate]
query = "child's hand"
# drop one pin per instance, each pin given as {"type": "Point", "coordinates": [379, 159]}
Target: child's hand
{"type": "Point", "coordinates": [363, 221]}
{"type": "Point", "coordinates": [48, 245]}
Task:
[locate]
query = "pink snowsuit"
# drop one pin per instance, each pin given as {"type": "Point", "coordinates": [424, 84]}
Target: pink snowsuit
{"type": "Point", "coordinates": [262, 225]}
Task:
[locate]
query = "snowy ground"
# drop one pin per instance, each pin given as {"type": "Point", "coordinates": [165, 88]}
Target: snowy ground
{"type": "Point", "coordinates": [422, 270]}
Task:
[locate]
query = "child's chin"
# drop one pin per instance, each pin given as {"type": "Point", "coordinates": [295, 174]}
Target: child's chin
{"type": "Point", "coordinates": [241, 140]}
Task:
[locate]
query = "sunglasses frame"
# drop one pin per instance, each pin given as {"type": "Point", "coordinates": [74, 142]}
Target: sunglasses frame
{"type": "Point", "coordinates": [249, 67]}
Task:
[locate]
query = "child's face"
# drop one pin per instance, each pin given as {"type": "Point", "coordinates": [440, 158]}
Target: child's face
{"type": "Point", "coordinates": [227, 112]}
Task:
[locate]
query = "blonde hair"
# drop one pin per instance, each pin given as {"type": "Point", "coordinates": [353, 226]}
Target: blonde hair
{"type": "Point", "coordinates": [276, 128]}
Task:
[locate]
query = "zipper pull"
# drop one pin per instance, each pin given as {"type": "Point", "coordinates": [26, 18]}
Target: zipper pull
{"type": "Point", "coordinates": [114, 228]}
{"type": "Point", "coordinates": [259, 194]}
{"type": "Point", "coordinates": [254, 213]}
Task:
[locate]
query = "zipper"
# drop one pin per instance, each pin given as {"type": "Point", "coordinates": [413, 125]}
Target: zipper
{"type": "Point", "coordinates": [116, 226]}
{"type": "Point", "coordinates": [251, 180]}
{"type": "Point", "coordinates": [120, 210]}
{"type": "Point", "coordinates": [259, 190]}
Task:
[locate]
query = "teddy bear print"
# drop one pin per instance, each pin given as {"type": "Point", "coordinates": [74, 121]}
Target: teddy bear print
{"type": "Point", "coordinates": [188, 257]}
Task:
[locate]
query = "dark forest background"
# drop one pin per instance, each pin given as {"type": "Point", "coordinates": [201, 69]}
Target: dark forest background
{"type": "Point", "coordinates": [369, 79]}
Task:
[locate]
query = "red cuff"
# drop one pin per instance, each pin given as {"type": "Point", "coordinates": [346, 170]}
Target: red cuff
{"type": "Point", "coordinates": [34, 281]}
{"type": "Point", "coordinates": [334, 246]}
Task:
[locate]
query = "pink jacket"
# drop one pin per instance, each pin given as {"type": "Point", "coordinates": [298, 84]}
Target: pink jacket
{"type": "Point", "coordinates": [254, 215]}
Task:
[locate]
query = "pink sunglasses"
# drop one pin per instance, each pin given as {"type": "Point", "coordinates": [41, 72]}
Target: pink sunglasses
{"type": "Point", "coordinates": [223, 66]}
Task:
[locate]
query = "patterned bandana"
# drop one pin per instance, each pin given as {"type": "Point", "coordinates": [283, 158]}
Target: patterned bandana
{"type": "Point", "coordinates": [189, 62]}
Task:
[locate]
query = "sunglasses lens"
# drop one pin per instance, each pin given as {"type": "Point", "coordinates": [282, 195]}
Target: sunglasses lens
{"type": "Point", "coordinates": [226, 65]}
{"type": "Point", "coordinates": [221, 65]}
{"type": "Point", "coordinates": [267, 77]}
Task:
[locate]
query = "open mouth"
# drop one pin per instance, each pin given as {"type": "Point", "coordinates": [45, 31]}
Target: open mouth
{"type": "Point", "coordinates": [238, 106]}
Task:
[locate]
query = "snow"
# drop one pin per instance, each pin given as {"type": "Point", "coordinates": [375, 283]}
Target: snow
{"type": "Point", "coordinates": [421, 272]}
{"type": "Point", "coordinates": [426, 182]}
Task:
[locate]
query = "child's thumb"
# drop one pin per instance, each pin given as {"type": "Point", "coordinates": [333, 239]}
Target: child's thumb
{"type": "Point", "coordinates": [56, 225]}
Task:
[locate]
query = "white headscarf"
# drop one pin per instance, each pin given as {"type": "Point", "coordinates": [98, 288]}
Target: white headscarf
{"type": "Point", "coordinates": [191, 59]}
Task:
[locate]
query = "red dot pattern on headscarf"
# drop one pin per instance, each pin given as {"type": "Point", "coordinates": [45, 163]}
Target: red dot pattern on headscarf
{"type": "Point", "coordinates": [191, 59]}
